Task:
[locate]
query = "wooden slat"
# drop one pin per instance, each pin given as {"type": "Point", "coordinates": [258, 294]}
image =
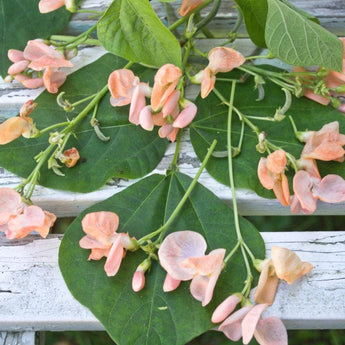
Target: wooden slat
{"type": "Point", "coordinates": [18, 338]}
{"type": "Point", "coordinates": [33, 295]}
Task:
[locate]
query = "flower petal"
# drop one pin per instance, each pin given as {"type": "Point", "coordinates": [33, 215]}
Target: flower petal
{"type": "Point", "coordinates": [10, 204]}
{"type": "Point", "coordinates": [224, 59]}
{"type": "Point", "coordinates": [330, 189]}
{"type": "Point", "coordinates": [170, 284]}
{"type": "Point", "coordinates": [225, 308]}
{"type": "Point", "coordinates": [115, 256]}
{"type": "Point", "coordinates": [250, 321]}
{"type": "Point", "coordinates": [177, 247]}
{"type": "Point", "coordinates": [271, 331]}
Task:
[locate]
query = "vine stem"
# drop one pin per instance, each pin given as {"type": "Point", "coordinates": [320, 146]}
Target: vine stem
{"type": "Point", "coordinates": [160, 231]}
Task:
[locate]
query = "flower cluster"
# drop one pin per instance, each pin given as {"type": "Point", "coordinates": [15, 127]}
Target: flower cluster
{"type": "Point", "coordinates": [17, 219]}
{"type": "Point", "coordinates": [308, 186]}
{"type": "Point", "coordinates": [38, 65]}
{"type": "Point", "coordinates": [164, 110]}
{"type": "Point", "coordinates": [182, 255]}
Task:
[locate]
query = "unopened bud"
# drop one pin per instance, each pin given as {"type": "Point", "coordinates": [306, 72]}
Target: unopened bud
{"type": "Point", "coordinates": [138, 281]}
{"type": "Point", "coordinates": [322, 72]}
{"type": "Point", "coordinates": [340, 89]}
{"type": "Point", "coordinates": [27, 108]}
{"type": "Point", "coordinates": [71, 6]}
{"type": "Point", "coordinates": [335, 102]}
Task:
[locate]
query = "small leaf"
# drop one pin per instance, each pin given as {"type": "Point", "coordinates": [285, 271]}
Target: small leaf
{"type": "Point", "coordinates": [152, 316]}
{"type": "Point", "coordinates": [131, 151]}
{"type": "Point", "coordinates": [254, 13]}
{"type": "Point", "coordinates": [298, 41]}
{"type": "Point", "coordinates": [211, 123]}
{"type": "Point", "coordinates": [132, 30]}
{"type": "Point", "coordinates": [21, 21]}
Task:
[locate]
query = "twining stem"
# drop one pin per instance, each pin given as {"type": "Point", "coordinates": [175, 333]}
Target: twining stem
{"type": "Point", "coordinates": [173, 163]}
{"type": "Point", "coordinates": [160, 231]}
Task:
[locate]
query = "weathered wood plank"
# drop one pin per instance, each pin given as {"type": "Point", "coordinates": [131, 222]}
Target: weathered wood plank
{"type": "Point", "coordinates": [18, 338]}
{"type": "Point", "coordinates": [33, 295]}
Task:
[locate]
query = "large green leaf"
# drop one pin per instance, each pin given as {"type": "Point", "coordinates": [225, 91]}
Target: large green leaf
{"type": "Point", "coordinates": [21, 21]}
{"type": "Point", "coordinates": [254, 14]}
{"type": "Point", "coordinates": [152, 316]}
{"type": "Point", "coordinates": [131, 152]}
{"type": "Point", "coordinates": [132, 30]}
{"type": "Point", "coordinates": [211, 123]}
{"type": "Point", "coordinates": [298, 41]}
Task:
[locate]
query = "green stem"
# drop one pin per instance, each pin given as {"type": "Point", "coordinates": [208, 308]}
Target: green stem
{"type": "Point", "coordinates": [160, 231]}
{"type": "Point", "coordinates": [179, 22]}
{"type": "Point", "coordinates": [173, 164]}
{"type": "Point", "coordinates": [48, 129]}
{"type": "Point", "coordinates": [90, 11]}
{"type": "Point", "coordinates": [233, 251]}
{"type": "Point", "coordinates": [83, 100]}
{"type": "Point", "coordinates": [246, 290]}
{"type": "Point", "coordinates": [231, 175]}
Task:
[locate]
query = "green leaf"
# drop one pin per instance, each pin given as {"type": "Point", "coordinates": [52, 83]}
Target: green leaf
{"type": "Point", "coordinates": [254, 13]}
{"type": "Point", "coordinates": [211, 123]}
{"type": "Point", "coordinates": [21, 21]}
{"type": "Point", "coordinates": [303, 13]}
{"type": "Point", "coordinates": [131, 151]}
{"type": "Point", "coordinates": [298, 41]}
{"type": "Point", "coordinates": [152, 316]}
{"type": "Point", "coordinates": [132, 30]}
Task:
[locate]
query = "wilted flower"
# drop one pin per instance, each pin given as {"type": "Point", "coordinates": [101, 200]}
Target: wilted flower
{"type": "Point", "coordinates": [102, 239]}
{"type": "Point", "coordinates": [284, 264]}
{"type": "Point", "coordinates": [271, 173]}
{"type": "Point", "coordinates": [221, 59]}
{"type": "Point", "coordinates": [182, 255]}
{"type": "Point", "coordinates": [14, 127]}
{"type": "Point", "coordinates": [70, 157]}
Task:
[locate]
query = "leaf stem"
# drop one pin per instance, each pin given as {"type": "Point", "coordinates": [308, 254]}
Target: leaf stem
{"type": "Point", "coordinates": [48, 129]}
{"type": "Point", "coordinates": [160, 231]}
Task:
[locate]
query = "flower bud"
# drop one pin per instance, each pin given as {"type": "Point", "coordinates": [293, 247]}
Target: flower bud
{"type": "Point", "coordinates": [138, 281]}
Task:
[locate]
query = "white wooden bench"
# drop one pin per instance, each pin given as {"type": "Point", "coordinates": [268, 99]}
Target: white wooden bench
{"type": "Point", "coordinates": [33, 295]}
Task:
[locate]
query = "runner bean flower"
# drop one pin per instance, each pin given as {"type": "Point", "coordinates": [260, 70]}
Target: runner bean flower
{"type": "Point", "coordinates": [284, 264]}
{"type": "Point", "coordinates": [17, 219]}
{"type": "Point", "coordinates": [46, 6]}
{"type": "Point", "coordinates": [247, 322]}
{"type": "Point", "coordinates": [36, 57]}
{"type": "Point", "coordinates": [188, 6]}
{"type": "Point", "coordinates": [102, 239]}
{"type": "Point", "coordinates": [221, 59]}
{"type": "Point", "coordinates": [14, 127]}
{"type": "Point", "coordinates": [271, 173]}
{"type": "Point", "coordinates": [182, 255]}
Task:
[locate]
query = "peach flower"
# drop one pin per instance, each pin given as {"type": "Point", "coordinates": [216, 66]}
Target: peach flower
{"type": "Point", "coordinates": [17, 219]}
{"type": "Point", "coordinates": [14, 127]}
{"type": "Point", "coordinates": [247, 322]}
{"type": "Point", "coordinates": [272, 176]}
{"type": "Point", "coordinates": [188, 6]}
{"type": "Point", "coordinates": [38, 56]}
{"type": "Point", "coordinates": [221, 59]}
{"type": "Point", "coordinates": [182, 255]}
{"type": "Point", "coordinates": [284, 264]}
{"type": "Point", "coordinates": [46, 6]}
{"type": "Point", "coordinates": [165, 82]}
{"type": "Point", "coordinates": [102, 239]}
{"type": "Point", "coordinates": [325, 144]}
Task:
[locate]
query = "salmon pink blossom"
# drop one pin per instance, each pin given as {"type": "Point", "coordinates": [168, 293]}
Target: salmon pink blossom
{"type": "Point", "coordinates": [182, 255]}
{"type": "Point", "coordinates": [46, 6]}
{"type": "Point", "coordinates": [189, 5]}
{"type": "Point", "coordinates": [247, 322]}
{"type": "Point", "coordinates": [14, 127]}
{"type": "Point", "coordinates": [271, 173]}
{"type": "Point", "coordinates": [221, 59]}
{"type": "Point", "coordinates": [325, 144]}
{"type": "Point", "coordinates": [284, 264]}
{"type": "Point", "coordinates": [36, 57]}
{"type": "Point", "coordinates": [103, 240]}
{"type": "Point", "coordinates": [165, 82]}
{"type": "Point", "coordinates": [18, 219]}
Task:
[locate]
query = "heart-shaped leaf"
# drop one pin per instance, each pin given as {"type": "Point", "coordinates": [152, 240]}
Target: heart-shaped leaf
{"type": "Point", "coordinates": [152, 316]}
{"type": "Point", "coordinates": [211, 123]}
{"type": "Point", "coordinates": [132, 30]}
{"type": "Point", "coordinates": [131, 151]}
{"type": "Point", "coordinates": [298, 41]}
{"type": "Point", "coordinates": [21, 21]}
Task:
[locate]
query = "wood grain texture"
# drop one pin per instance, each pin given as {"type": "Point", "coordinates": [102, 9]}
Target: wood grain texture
{"type": "Point", "coordinates": [33, 295]}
